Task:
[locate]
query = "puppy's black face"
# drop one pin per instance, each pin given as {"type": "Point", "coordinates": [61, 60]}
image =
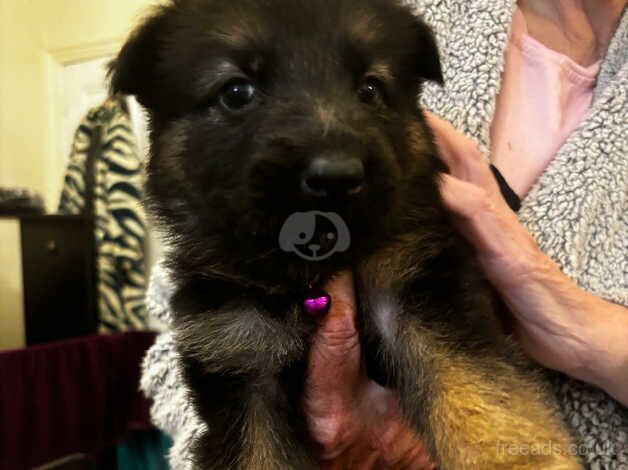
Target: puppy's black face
{"type": "Point", "coordinates": [264, 108]}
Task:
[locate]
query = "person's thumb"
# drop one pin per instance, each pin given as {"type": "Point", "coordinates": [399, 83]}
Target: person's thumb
{"type": "Point", "coordinates": [335, 356]}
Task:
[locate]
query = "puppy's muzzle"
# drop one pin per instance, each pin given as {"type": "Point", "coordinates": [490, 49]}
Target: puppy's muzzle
{"type": "Point", "coordinates": [333, 176]}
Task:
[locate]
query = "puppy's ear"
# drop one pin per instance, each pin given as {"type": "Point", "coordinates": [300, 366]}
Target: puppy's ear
{"type": "Point", "coordinates": [427, 59]}
{"type": "Point", "coordinates": [133, 72]}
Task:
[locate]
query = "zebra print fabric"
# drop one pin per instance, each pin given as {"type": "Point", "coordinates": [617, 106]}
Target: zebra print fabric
{"type": "Point", "coordinates": [120, 229]}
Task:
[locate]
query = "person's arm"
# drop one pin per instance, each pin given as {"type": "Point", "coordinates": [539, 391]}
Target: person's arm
{"type": "Point", "coordinates": [560, 325]}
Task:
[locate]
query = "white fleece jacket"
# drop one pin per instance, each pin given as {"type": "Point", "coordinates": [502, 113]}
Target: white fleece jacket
{"type": "Point", "coordinates": [577, 211]}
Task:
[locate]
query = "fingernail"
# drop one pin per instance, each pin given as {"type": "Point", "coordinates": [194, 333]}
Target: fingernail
{"type": "Point", "coordinates": [317, 302]}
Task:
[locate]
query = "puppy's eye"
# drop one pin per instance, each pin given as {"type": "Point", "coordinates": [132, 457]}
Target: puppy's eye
{"type": "Point", "coordinates": [237, 94]}
{"type": "Point", "coordinates": [371, 91]}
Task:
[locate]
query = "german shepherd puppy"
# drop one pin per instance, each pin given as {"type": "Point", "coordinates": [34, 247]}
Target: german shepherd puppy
{"type": "Point", "coordinates": [263, 109]}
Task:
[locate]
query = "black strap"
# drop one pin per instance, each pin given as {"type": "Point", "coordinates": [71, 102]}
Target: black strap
{"type": "Point", "coordinates": [512, 199]}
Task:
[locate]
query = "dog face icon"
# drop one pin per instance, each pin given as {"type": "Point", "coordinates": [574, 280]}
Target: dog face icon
{"type": "Point", "coordinates": [314, 235]}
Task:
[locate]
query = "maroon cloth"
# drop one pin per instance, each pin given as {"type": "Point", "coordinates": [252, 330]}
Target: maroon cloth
{"type": "Point", "coordinates": [80, 395]}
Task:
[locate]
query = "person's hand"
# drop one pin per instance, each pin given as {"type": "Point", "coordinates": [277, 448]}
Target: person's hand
{"type": "Point", "coordinates": [508, 254]}
{"type": "Point", "coordinates": [356, 422]}
{"type": "Point", "coordinates": [558, 324]}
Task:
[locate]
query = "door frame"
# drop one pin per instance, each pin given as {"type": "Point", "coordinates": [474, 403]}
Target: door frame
{"type": "Point", "coordinates": [55, 61]}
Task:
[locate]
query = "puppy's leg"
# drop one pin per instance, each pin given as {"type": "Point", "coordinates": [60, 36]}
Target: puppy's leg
{"type": "Point", "coordinates": [245, 370]}
{"type": "Point", "coordinates": [475, 411]}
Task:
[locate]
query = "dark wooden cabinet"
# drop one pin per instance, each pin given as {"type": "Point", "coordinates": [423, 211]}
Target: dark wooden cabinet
{"type": "Point", "coordinates": [58, 264]}
{"type": "Point", "coordinates": [59, 275]}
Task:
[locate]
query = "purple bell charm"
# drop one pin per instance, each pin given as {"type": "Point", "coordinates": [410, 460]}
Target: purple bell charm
{"type": "Point", "coordinates": [317, 302]}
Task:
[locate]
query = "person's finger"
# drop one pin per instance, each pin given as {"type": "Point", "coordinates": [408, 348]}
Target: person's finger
{"type": "Point", "coordinates": [340, 324]}
{"type": "Point", "coordinates": [406, 451]}
{"type": "Point", "coordinates": [335, 351]}
{"type": "Point", "coordinates": [459, 153]}
{"type": "Point", "coordinates": [399, 446]}
{"type": "Point", "coordinates": [488, 223]}
{"type": "Point", "coordinates": [335, 367]}
{"type": "Point", "coordinates": [463, 198]}
{"type": "Point", "coordinates": [441, 130]}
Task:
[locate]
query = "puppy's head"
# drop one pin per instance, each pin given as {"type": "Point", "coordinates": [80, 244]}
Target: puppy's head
{"type": "Point", "coordinates": [260, 109]}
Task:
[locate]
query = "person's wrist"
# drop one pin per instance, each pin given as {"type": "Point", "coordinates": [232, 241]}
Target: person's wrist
{"type": "Point", "coordinates": [606, 365]}
{"type": "Point", "coordinates": [590, 327]}
{"type": "Point", "coordinates": [570, 306]}
{"type": "Point", "coordinates": [584, 323]}
{"type": "Point", "coordinates": [544, 300]}
{"type": "Point", "coordinates": [522, 267]}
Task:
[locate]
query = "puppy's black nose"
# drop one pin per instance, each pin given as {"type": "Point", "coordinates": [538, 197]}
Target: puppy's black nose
{"type": "Point", "coordinates": [328, 176]}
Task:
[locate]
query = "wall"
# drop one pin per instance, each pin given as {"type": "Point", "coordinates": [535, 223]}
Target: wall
{"type": "Point", "coordinates": [12, 334]}
{"type": "Point", "coordinates": [38, 38]}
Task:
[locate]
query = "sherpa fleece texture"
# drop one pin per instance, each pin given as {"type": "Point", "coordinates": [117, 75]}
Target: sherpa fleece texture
{"type": "Point", "coordinates": [577, 211]}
